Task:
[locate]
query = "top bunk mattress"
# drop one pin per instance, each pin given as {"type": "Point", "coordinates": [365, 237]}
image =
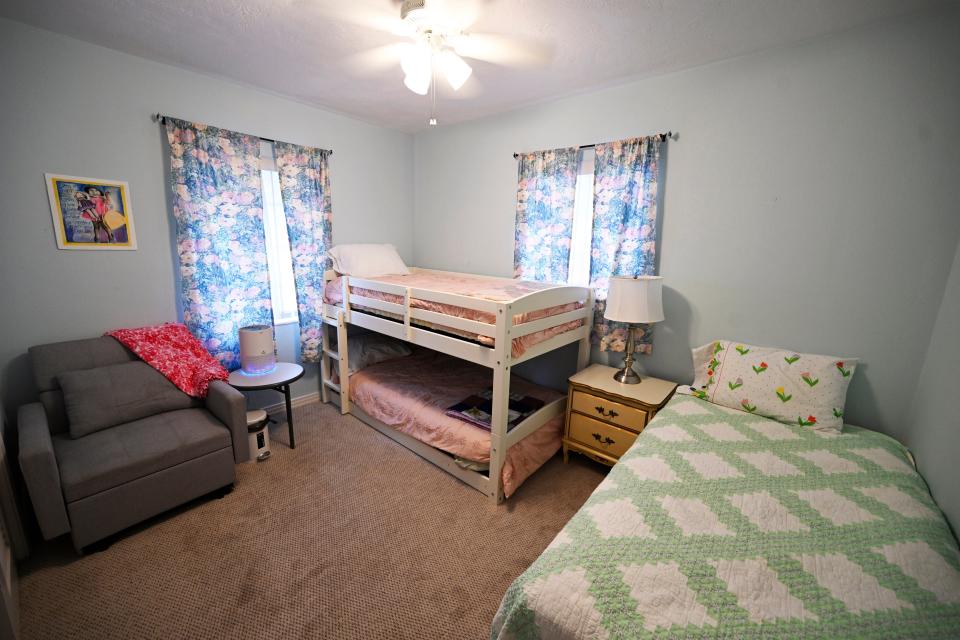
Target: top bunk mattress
{"type": "Point", "coordinates": [721, 524]}
{"type": "Point", "coordinates": [499, 290]}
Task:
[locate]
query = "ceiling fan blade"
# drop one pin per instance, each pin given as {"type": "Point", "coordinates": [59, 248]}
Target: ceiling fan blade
{"type": "Point", "coordinates": [501, 50]}
{"type": "Point", "coordinates": [454, 16]}
{"type": "Point", "coordinates": [377, 60]}
{"type": "Point", "coordinates": [363, 13]}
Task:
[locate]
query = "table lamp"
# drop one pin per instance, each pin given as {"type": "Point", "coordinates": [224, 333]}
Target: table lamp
{"type": "Point", "coordinates": [633, 300]}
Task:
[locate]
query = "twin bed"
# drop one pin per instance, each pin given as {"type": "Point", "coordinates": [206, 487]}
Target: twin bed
{"type": "Point", "coordinates": [722, 524]}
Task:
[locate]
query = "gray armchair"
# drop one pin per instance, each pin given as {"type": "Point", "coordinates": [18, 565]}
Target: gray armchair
{"type": "Point", "coordinates": [132, 447]}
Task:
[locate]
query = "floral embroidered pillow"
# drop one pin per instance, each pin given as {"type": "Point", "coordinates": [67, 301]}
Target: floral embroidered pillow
{"type": "Point", "coordinates": [790, 387]}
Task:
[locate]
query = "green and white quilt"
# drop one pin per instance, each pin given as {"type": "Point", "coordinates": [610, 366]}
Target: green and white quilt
{"type": "Point", "coordinates": [719, 523]}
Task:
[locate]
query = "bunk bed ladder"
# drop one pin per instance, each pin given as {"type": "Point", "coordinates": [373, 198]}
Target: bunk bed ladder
{"type": "Point", "coordinates": [341, 356]}
{"type": "Point", "coordinates": [407, 333]}
{"type": "Point", "coordinates": [583, 354]}
{"type": "Point", "coordinates": [343, 360]}
{"type": "Point", "coordinates": [501, 399]}
{"type": "Point", "coordinates": [326, 355]}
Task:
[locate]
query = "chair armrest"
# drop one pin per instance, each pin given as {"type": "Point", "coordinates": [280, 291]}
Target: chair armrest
{"type": "Point", "coordinates": [40, 471]}
{"type": "Point", "coordinates": [230, 407]}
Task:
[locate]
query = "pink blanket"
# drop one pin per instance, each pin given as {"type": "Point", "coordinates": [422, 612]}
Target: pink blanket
{"type": "Point", "coordinates": [412, 393]}
{"type": "Point", "coordinates": [483, 287]}
{"type": "Point", "coordinates": [173, 351]}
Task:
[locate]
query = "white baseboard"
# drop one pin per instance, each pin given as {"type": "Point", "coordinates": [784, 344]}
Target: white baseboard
{"type": "Point", "coordinates": [296, 401]}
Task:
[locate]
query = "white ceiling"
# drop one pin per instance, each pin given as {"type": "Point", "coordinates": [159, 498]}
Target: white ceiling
{"type": "Point", "coordinates": [311, 50]}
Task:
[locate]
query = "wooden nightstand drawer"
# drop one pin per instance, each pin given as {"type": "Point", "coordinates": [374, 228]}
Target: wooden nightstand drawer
{"type": "Point", "coordinates": [599, 436]}
{"type": "Point", "coordinates": [604, 416]}
{"type": "Point", "coordinates": [608, 410]}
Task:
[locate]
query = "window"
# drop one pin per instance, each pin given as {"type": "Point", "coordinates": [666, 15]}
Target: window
{"type": "Point", "coordinates": [283, 290]}
{"type": "Point", "coordinates": [578, 272]}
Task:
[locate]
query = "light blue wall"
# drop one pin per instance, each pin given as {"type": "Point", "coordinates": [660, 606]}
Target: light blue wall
{"type": "Point", "coordinates": [934, 433]}
{"type": "Point", "coordinates": [74, 108]}
{"type": "Point", "coordinates": [810, 201]}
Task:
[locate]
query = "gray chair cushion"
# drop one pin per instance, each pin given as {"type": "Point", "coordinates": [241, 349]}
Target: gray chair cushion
{"type": "Point", "coordinates": [106, 396]}
{"type": "Point", "coordinates": [50, 360]}
{"type": "Point", "coordinates": [112, 457]}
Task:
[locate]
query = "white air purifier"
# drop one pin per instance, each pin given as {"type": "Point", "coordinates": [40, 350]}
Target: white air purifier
{"type": "Point", "coordinates": [259, 435]}
{"type": "Point", "coordinates": [258, 353]}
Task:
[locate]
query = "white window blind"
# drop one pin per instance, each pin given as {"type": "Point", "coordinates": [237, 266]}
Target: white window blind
{"type": "Point", "coordinates": [578, 272]}
{"type": "Point", "coordinates": [283, 290]}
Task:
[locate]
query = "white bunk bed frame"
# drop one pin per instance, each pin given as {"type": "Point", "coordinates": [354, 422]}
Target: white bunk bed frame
{"type": "Point", "coordinates": [498, 358]}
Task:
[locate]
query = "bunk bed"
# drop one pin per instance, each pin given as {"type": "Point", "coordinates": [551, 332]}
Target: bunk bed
{"type": "Point", "coordinates": [496, 323]}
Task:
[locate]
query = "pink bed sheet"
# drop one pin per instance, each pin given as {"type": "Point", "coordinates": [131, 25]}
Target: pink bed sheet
{"type": "Point", "coordinates": [483, 287]}
{"type": "Point", "coordinates": [411, 393]}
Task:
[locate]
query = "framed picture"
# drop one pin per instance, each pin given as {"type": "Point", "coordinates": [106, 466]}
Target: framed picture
{"type": "Point", "coordinates": [89, 213]}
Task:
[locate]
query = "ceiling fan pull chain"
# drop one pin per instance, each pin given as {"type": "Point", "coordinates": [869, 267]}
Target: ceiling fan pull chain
{"type": "Point", "coordinates": [433, 88]}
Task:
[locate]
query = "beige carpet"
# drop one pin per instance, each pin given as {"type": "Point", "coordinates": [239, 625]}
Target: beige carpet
{"type": "Point", "coordinates": [348, 536]}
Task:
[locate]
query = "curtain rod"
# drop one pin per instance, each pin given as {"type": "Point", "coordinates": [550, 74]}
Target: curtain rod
{"type": "Point", "coordinates": [665, 135]}
{"type": "Point", "coordinates": [162, 119]}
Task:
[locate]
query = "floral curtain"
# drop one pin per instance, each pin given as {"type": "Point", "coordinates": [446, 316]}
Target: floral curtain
{"type": "Point", "coordinates": [224, 282]}
{"type": "Point", "coordinates": [305, 190]}
{"type": "Point", "coordinates": [624, 228]}
{"type": "Point", "coordinates": [545, 197]}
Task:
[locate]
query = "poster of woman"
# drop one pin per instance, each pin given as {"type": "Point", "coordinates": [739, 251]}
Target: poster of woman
{"type": "Point", "coordinates": [89, 213]}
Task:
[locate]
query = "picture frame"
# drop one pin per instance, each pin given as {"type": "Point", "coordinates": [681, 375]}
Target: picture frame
{"type": "Point", "coordinates": [91, 213]}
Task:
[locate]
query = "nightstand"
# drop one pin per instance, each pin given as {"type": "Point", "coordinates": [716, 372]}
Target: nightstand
{"type": "Point", "coordinates": [604, 416]}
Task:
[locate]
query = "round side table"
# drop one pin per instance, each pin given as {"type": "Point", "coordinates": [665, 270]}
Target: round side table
{"type": "Point", "coordinates": [279, 379]}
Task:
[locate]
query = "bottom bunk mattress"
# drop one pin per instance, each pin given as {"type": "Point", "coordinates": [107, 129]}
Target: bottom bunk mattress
{"type": "Point", "coordinates": [411, 394]}
{"type": "Point", "coordinates": [721, 524]}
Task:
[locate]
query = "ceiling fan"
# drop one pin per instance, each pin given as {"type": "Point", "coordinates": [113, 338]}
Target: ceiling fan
{"type": "Point", "coordinates": [437, 41]}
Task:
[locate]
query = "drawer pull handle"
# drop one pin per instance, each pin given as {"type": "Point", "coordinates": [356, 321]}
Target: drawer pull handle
{"type": "Point", "coordinates": [604, 412]}
{"type": "Point", "coordinates": [604, 440]}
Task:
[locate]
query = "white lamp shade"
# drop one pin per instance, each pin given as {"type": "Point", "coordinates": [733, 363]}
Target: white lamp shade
{"type": "Point", "coordinates": [635, 300]}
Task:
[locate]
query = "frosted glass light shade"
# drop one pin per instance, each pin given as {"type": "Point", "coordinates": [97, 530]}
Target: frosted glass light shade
{"type": "Point", "coordinates": [417, 64]}
{"type": "Point", "coordinates": [456, 70]}
{"type": "Point", "coordinates": [635, 300]}
{"type": "Point", "coordinates": [418, 83]}
{"type": "Point", "coordinates": [415, 59]}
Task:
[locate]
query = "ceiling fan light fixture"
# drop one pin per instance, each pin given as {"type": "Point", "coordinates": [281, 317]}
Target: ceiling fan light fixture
{"type": "Point", "coordinates": [418, 82]}
{"type": "Point", "coordinates": [416, 59]}
{"type": "Point", "coordinates": [456, 70]}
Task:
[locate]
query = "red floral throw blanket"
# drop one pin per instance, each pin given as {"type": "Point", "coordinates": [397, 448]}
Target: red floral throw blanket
{"type": "Point", "coordinates": [173, 351]}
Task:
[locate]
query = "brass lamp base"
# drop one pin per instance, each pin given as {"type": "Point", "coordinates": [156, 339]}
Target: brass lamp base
{"type": "Point", "coordinates": [627, 375]}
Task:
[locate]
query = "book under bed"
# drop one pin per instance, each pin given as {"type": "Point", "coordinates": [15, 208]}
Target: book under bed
{"type": "Point", "coordinates": [412, 394]}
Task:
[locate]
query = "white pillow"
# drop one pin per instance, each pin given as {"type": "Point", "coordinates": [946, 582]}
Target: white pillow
{"type": "Point", "coordinates": [796, 388]}
{"type": "Point", "coordinates": [367, 260]}
{"type": "Point", "coordinates": [370, 348]}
